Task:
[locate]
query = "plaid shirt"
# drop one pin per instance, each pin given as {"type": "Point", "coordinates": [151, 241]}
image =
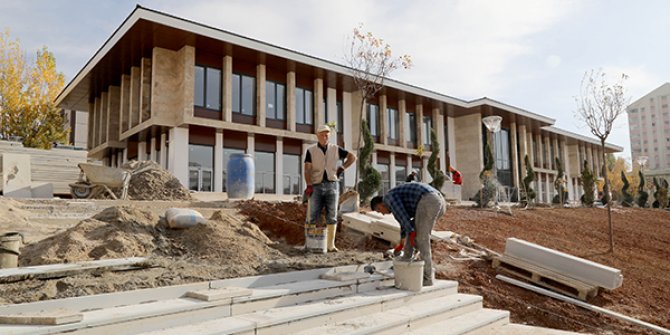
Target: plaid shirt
{"type": "Point", "coordinates": [402, 201]}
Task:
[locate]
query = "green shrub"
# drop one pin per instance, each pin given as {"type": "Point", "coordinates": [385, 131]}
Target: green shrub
{"type": "Point", "coordinates": [588, 185]}
{"type": "Point", "coordinates": [642, 196]}
{"type": "Point", "coordinates": [627, 200]}
{"type": "Point", "coordinates": [437, 174]}
{"type": "Point", "coordinates": [530, 177]}
{"type": "Point", "coordinates": [488, 191]}
{"type": "Point", "coordinates": [561, 196]}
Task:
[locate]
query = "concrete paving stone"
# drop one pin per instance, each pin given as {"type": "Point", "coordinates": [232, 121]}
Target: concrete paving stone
{"type": "Point", "coordinates": [517, 329]}
{"type": "Point", "coordinates": [56, 317]}
{"type": "Point", "coordinates": [465, 324]}
{"type": "Point", "coordinates": [230, 325]}
{"type": "Point", "coordinates": [400, 319]}
{"type": "Point", "coordinates": [345, 276]}
{"type": "Point", "coordinates": [227, 293]}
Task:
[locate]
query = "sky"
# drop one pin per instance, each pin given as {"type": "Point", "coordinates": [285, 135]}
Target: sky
{"type": "Point", "coordinates": [530, 54]}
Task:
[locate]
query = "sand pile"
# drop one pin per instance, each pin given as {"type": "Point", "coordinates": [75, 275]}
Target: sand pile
{"type": "Point", "coordinates": [11, 215]}
{"type": "Point", "coordinates": [151, 182]}
{"type": "Point", "coordinates": [127, 231]}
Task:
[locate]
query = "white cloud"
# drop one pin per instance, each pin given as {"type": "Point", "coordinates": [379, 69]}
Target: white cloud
{"type": "Point", "coordinates": [553, 61]}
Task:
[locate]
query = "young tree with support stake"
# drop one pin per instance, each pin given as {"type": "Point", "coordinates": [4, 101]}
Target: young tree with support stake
{"type": "Point", "coordinates": [370, 60]}
{"type": "Point", "coordinates": [599, 105]}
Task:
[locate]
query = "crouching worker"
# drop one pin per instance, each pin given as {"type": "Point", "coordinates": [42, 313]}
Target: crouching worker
{"type": "Point", "coordinates": [322, 175]}
{"type": "Point", "coordinates": [416, 206]}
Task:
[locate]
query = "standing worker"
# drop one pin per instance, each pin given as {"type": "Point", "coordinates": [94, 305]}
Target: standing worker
{"type": "Point", "coordinates": [416, 206]}
{"type": "Point", "coordinates": [322, 174]}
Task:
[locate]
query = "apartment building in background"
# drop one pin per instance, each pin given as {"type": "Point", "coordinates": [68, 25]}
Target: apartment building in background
{"type": "Point", "coordinates": [649, 128]}
{"type": "Point", "coordinates": [187, 96]}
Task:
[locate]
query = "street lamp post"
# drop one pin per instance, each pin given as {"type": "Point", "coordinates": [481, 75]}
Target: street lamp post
{"type": "Point", "coordinates": [492, 124]}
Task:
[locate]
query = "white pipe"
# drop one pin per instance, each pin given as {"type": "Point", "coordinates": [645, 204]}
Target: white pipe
{"type": "Point", "coordinates": [582, 304]}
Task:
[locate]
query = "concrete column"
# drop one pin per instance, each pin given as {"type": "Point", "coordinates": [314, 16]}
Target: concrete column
{"type": "Point", "coordinates": [124, 113]}
{"type": "Point", "coordinates": [547, 148]}
{"type": "Point", "coordinates": [119, 158]}
{"type": "Point", "coordinates": [218, 161]}
{"type": "Point", "coordinates": [90, 127]}
{"type": "Point", "coordinates": [145, 90]}
{"type": "Point", "coordinates": [419, 124]}
{"type": "Point", "coordinates": [279, 167]}
{"type": "Point", "coordinates": [113, 112]}
{"type": "Point", "coordinates": [514, 154]}
{"type": "Point", "coordinates": [540, 150]}
{"type": "Point", "coordinates": [402, 111]}
{"type": "Point", "coordinates": [290, 100]}
{"type": "Point", "coordinates": [135, 82]}
{"type": "Point", "coordinates": [142, 151]}
{"type": "Point", "coordinates": [251, 145]}
{"type": "Point", "coordinates": [162, 156]}
{"type": "Point", "coordinates": [452, 142]}
{"type": "Point", "coordinates": [438, 122]}
{"type": "Point", "coordinates": [531, 152]}
{"type": "Point", "coordinates": [374, 159]}
{"type": "Point", "coordinates": [260, 95]}
{"type": "Point", "coordinates": [392, 178]}
{"type": "Point", "coordinates": [112, 160]}
{"type": "Point", "coordinates": [348, 135]}
{"type": "Point", "coordinates": [319, 107]}
{"type": "Point", "coordinates": [408, 168]}
{"type": "Point", "coordinates": [425, 177]}
{"type": "Point", "coordinates": [95, 129]}
{"type": "Point", "coordinates": [523, 150]}
{"type": "Point", "coordinates": [383, 119]}
{"type": "Point", "coordinates": [548, 188]}
{"type": "Point", "coordinates": [227, 89]}
{"type": "Point", "coordinates": [331, 105]}
{"type": "Point", "coordinates": [124, 158]}
{"type": "Point", "coordinates": [152, 150]}
{"type": "Point", "coordinates": [177, 150]}
{"type": "Point", "coordinates": [469, 149]}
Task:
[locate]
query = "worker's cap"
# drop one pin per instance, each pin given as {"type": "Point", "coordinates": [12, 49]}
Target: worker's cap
{"type": "Point", "coordinates": [322, 128]}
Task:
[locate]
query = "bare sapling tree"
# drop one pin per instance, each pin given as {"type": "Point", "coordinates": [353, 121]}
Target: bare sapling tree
{"type": "Point", "coordinates": [599, 105]}
{"type": "Point", "coordinates": [371, 61]}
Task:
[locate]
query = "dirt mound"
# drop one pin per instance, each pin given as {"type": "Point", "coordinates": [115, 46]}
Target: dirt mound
{"type": "Point", "coordinates": [150, 181]}
{"type": "Point", "coordinates": [127, 231]}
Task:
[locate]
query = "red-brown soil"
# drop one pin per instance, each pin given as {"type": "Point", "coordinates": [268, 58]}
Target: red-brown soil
{"type": "Point", "coordinates": [264, 235]}
{"type": "Point", "coordinates": [641, 252]}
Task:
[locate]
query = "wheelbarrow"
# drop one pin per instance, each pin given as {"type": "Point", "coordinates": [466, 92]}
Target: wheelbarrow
{"type": "Point", "coordinates": [97, 179]}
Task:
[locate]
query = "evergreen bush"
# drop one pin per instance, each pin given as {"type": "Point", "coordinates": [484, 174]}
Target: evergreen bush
{"type": "Point", "coordinates": [627, 200]}
{"type": "Point", "coordinates": [642, 196]}
{"type": "Point", "coordinates": [588, 185]}
{"type": "Point", "coordinates": [371, 179]}
{"type": "Point", "coordinates": [530, 177]}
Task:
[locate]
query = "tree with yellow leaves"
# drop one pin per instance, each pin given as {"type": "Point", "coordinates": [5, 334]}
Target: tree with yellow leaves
{"type": "Point", "coordinates": [27, 94]}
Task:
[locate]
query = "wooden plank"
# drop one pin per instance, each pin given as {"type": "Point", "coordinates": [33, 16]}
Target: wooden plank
{"type": "Point", "coordinates": [545, 277]}
{"type": "Point", "coordinates": [64, 270]}
{"type": "Point", "coordinates": [42, 318]}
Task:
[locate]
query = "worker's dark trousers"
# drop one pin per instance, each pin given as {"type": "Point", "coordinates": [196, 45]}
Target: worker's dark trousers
{"type": "Point", "coordinates": [430, 208]}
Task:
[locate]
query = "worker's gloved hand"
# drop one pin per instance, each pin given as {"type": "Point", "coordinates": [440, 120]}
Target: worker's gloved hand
{"type": "Point", "coordinates": [308, 191]}
{"type": "Point", "coordinates": [340, 171]}
{"type": "Point", "coordinates": [398, 248]}
{"type": "Point", "coordinates": [412, 235]}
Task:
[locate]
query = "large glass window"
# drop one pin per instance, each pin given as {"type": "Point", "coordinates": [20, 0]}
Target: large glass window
{"type": "Point", "coordinates": [373, 119]}
{"type": "Point", "coordinates": [265, 172]}
{"type": "Point", "coordinates": [392, 123]}
{"type": "Point", "coordinates": [400, 174]}
{"type": "Point", "coordinates": [386, 177]}
{"type": "Point", "coordinates": [303, 106]}
{"type": "Point", "coordinates": [207, 88]}
{"type": "Point", "coordinates": [502, 157]}
{"type": "Point", "coordinates": [244, 94]}
{"type": "Point", "coordinates": [226, 157]}
{"type": "Point", "coordinates": [275, 98]}
{"type": "Point", "coordinates": [427, 126]}
{"type": "Point", "coordinates": [291, 177]}
{"type": "Point", "coordinates": [410, 127]}
{"type": "Point", "coordinates": [201, 165]}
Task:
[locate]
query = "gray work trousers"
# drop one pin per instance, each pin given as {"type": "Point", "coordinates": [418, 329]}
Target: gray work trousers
{"type": "Point", "coordinates": [430, 208]}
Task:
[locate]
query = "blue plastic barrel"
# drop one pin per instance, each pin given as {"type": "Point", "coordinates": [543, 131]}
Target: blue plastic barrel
{"type": "Point", "coordinates": [240, 181]}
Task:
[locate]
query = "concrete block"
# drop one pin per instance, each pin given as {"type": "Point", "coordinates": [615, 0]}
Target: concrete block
{"type": "Point", "coordinates": [345, 276]}
{"type": "Point", "coordinates": [385, 230]}
{"type": "Point", "coordinates": [42, 190]}
{"type": "Point", "coordinates": [46, 318]}
{"type": "Point", "coordinates": [571, 266]}
{"type": "Point", "coordinates": [16, 175]}
{"type": "Point", "coordinates": [224, 293]}
{"type": "Point", "coordinates": [470, 323]}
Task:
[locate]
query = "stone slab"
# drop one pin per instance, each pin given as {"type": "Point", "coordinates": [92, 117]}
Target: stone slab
{"type": "Point", "coordinates": [469, 323]}
{"type": "Point", "coordinates": [345, 276]}
{"type": "Point", "coordinates": [16, 175]}
{"type": "Point", "coordinates": [579, 268]}
{"type": "Point", "coordinates": [62, 270]}
{"type": "Point", "coordinates": [48, 318]}
{"type": "Point", "coordinates": [219, 294]}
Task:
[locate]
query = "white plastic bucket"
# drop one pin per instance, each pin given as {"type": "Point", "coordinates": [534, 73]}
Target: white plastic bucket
{"type": "Point", "coordinates": [9, 250]}
{"type": "Point", "coordinates": [315, 239]}
{"type": "Point", "coordinates": [408, 275]}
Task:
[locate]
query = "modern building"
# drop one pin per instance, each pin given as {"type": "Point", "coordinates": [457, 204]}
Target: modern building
{"type": "Point", "coordinates": [187, 96]}
{"type": "Point", "coordinates": [649, 128]}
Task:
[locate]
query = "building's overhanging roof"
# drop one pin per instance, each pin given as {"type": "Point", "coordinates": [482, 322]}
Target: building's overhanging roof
{"type": "Point", "coordinates": [543, 120]}
{"type": "Point", "coordinates": [609, 147]}
{"type": "Point", "coordinates": [80, 82]}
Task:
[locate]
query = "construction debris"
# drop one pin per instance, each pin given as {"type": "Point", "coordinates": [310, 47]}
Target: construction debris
{"type": "Point", "coordinates": [150, 181]}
